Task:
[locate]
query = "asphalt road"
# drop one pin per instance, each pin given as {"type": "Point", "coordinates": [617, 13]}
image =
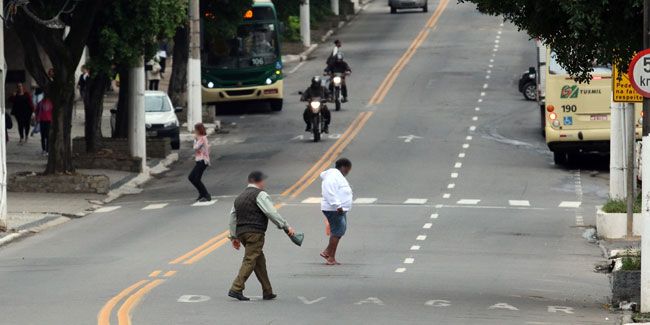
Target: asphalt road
{"type": "Point", "coordinates": [464, 220]}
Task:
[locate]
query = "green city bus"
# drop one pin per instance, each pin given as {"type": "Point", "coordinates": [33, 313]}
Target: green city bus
{"type": "Point", "coordinates": [248, 66]}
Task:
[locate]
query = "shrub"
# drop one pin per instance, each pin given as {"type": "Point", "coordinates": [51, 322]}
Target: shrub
{"type": "Point", "coordinates": [620, 206]}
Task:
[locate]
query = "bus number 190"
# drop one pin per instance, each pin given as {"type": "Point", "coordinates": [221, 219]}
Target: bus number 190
{"type": "Point", "coordinates": [569, 108]}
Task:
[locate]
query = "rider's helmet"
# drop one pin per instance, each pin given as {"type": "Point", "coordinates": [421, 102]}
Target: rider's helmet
{"type": "Point", "coordinates": [315, 83]}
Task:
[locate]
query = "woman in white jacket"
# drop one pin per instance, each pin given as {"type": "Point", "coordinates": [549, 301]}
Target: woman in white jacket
{"type": "Point", "coordinates": [337, 201]}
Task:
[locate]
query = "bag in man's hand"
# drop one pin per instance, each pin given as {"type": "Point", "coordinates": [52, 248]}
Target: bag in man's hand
{"type": "Point", "coordinates": [8, 122]}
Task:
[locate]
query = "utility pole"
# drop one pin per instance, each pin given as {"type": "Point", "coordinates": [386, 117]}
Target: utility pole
{"type": "Point", "coordinates": [3, 140]}
{"type": "Point", "coordinates": [136, 122]}
{"type": "Point", "coordinates": [645, 190]}
{"type": "Point", "coordinates": [194, 100]}
{"type": "Point", "coordinates": [630, 139]}
{"type": "Point", "coordinates": [305, 29]}
{"type": "Point", "coordinates": [616, 156]}
{"type": "Point", "coordinates": [335, 6]}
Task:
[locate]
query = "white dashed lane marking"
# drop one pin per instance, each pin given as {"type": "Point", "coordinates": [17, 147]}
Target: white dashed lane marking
{"type": "Point", "coordinates": [107, 209]}
{"type": "Point", "coordinates": [427, 225]}
{"type": "Point", "coordinates": [409, 260]}
{"type": "Point", "coordinates": [421, 237]}
{"type": "Point", "coordinates": [415, 201]}
{"type": "Point", "coordinates": [415, 248]}
{"type": "Point", "coordinates": [155, 206]}
{"type": "Point", "coordinates": [312, 200]}
{"type": "Point", "coordinates": [519, 203]}
{"type": "Point", "coordinates": [454, 175]}
{"type": "Point", "coordinates": [400, 270]}
{"type": "Point", "coordinates": [204, 204]}
{"type": "Point", "coordinates": [365, 200]}
{"type": "Point", "coordinates": [434, 216]}
{"type": "Point", "coordinates": [468, 202]}
{"type": "Point", "coordinates": [569, 204]}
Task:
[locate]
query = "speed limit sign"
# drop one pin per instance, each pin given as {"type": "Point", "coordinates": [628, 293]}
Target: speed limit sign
{"type": "Point", "coordinates": [639, 73]}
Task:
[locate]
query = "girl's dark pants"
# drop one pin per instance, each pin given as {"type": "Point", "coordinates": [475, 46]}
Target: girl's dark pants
{"type": "Point", "coordinates": [195, 178]}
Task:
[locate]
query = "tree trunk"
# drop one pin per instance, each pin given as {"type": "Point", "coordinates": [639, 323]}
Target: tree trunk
{"type": "Point", "coordinates": [122, 118]}
{"type": "Point", "coordinates": [178, 80]}
{"type": "Point", "coordinates": [93, 109]}
{"type": "Point", "coordinates": [61, 92]}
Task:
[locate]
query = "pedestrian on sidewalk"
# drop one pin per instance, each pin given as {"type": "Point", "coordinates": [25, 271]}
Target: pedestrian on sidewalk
{"type": "Point", "coordinates": [153, 74]}
{"type": "Point", "coordinates": [336, 202]}
{"type": "Point", "coordinates": [23, 109]}
{"type": "Point", "coordinates": [8, 125]}
{"type": "Point", "coordinates": [44, 111]}
{"type": "Point", "coordinates": [202, 161]}
{"type": "Point", "coordinates": [83, 82]}
{"type": "Point", "coordinates": [249, 219]}
{"type": "Point", "coordinates": [162, 55]}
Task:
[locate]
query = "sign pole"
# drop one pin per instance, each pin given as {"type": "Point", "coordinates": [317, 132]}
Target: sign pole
{"type": "Point", "coordinates": [645, 188]}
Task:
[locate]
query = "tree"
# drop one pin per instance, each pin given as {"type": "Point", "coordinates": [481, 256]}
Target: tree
{"type": "Point", "coordinates": [119, 43]}
{"type": "Point", "coordinates": [579, 32]}
{"type": "Point", "coordinates": [62, 49]}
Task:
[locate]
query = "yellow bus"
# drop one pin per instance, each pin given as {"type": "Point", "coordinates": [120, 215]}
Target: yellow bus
{"type": "Point", "coordinates": [578, 114]}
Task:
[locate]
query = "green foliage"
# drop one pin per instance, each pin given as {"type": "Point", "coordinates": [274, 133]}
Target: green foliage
{"type": "Point", "coordinates": [289, 13]}
{"type": "Point", "coordinates": [292, 32]}
{"type": "Point", "coordinates": [579, 31]}
{"type": "Point", "coordinates": [620, 206]}
{"type": "Point", "coordinates": [221, 17]}
{"type": "Point", "coordinates": [631, 263]}
{"type": "Point", "coordinates": [125, 30]}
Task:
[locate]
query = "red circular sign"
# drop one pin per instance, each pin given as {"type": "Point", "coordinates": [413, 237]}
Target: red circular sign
{"type": "Point", "coordinates": [639, 73]}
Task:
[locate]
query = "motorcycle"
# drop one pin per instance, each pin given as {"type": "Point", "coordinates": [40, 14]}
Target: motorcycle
{"type": "Point", "coordinates": [336, 82]}
{"type": "Point", "coordinates": [316, 106]}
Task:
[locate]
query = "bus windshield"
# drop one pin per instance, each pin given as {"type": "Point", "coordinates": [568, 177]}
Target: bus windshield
{"type": "Point", "coordinates": [556, 69]}
{"type": "Point", "coordinates": [253, 46]}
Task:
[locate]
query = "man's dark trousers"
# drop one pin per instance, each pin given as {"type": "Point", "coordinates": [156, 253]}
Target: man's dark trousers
{"type": "Point", "coordinates": [254, 261]}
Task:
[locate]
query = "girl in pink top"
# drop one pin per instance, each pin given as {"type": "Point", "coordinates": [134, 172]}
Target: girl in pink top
{"type": "Point", "coordinates": [44, 119]}
{"type": "Point", "coordinates": [202, 158]}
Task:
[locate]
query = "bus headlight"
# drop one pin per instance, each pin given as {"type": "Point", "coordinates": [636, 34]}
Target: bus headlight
{"type": "Point", "coordinates": [315, 107]}
{"type": "Point", "coordinates": [269, 81]}
{"type": "Point", "coordinates": [210, 84]}
{"type": "Point", "coordinates": [337, 80]}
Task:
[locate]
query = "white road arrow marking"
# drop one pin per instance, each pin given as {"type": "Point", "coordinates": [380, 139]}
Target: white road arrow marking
{"type": "Point", "coordinates": [438, 303]}
{"type": "Point", "coordinates": [409, 138]}
{"type": "Point", "coordinates": [555, 309]}
{"type": "Point", "coordinates": [310, 302]}
{"type": "Point", "coordinates": [370, 300]}
{"type": "Point", "coordinates": [193, 298]}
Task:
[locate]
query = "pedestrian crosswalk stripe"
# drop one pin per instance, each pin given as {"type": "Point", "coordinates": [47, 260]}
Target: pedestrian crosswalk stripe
{"type": "Point", "coordinates": [107, 209]}
{"type": "Point", "coordinates": [365, 200]}
{"type": "Point", "coordinates": [415, 201]}
{"type": "Point", "coordinates": [312, 200]}
{"type": "Point", "coordinates": [204, 204]}
{"type": "Point", "coordinates": [519, 203]}
{"type": "Point", "coordinates": [155, 206]}
{"type": "Point", "coordinates": [468, 202]}
{"type": "Point", "coordinates": [570, 204]}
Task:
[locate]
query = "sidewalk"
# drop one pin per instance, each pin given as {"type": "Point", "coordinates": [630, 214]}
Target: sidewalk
{"type": "Point", "coordinates": [32, 212]}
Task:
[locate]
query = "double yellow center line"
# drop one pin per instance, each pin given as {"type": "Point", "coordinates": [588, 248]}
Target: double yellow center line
{"type": "Point", "coordinates": [134, 294]}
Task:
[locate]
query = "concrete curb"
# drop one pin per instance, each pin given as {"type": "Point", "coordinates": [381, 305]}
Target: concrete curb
{"type": "Point", "coordinates": [133, 186]}
{"type": "Point", "coordinates": [33, 230]}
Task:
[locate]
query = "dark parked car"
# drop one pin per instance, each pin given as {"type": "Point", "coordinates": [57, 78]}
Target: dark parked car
{"type": "Point", "coordinates": [528, 84]}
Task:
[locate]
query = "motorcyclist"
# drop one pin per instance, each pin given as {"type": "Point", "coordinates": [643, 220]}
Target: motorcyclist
{"type": "Point", "coordinates": [316, 89]}
{"type": "Point", "coordinates": [338, 65]}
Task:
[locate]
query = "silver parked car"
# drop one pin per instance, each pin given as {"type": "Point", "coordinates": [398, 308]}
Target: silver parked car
{"type": "Point", "coordinates": [408, 4]}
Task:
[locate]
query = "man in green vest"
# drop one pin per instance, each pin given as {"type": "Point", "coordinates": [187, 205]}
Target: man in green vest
{"type": "Point", "coordinates": [249, 219]}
